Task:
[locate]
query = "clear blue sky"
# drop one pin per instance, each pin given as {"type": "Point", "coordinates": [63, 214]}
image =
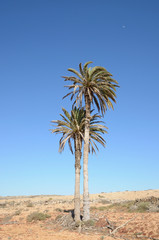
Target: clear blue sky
{"type": "Point", "coordinates": [39, 41]}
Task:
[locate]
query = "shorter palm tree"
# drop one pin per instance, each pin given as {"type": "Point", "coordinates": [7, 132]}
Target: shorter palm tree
{"type": "Point", "coordinates": [72, 129]}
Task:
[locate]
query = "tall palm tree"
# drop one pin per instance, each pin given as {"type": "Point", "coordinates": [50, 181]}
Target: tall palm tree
{"type": "Point", "coordinates": [95, 86]}
{"type": "Point", "coordinates": [72, 129]}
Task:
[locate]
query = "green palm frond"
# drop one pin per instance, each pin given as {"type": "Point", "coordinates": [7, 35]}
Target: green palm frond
{"type": "Point", "coordinates": [81, 70]}
{"type": "Point", "coordinates": [66, 113]}
{"type": "Point", "coordinates": [73, 124]}
{"type": "Point", "coordinates": [96, 82]}
{"type": "Point", "coordinates": [95, 71]}
{"type": "Point", "coordinates": [85, 67]}
{"type": "Point", "coordinates": [69, 126]}
{"type": "Point", "coordinates": [75, 72]}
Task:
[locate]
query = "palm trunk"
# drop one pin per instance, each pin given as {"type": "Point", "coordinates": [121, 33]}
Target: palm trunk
{"type": "Point", "coordinates": [86, 211]}
{"type": "Point", "coordinates": [77, 179]}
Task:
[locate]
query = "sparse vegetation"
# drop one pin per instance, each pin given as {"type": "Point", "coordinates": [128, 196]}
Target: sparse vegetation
{"type": "Point", "coordinates": [128, 206]}
{"type": "Point", "coordinates": [30, 204]}
{"type": "Point", "coordinates": [11, 203]}
{"type": "Point", "coordinates": [59, 210]}
{"type": "Point", "coordinates": [106, 216]}
{"type": "Point", "coordinates": [89, 223]}
{"type": "Point", "coordinates": [102, 238]}
{"type": "Point", "coordinates": [3, 205]}
{"type": "Point", "coordinates": [133, 206]}
{"type": "Point", "coordinates": [37, 216]}
{"type": "Point", "coordinates": [100, 196]}
{"type": "Point", "coordinates": [58, 217]}
{"type": "Point", "coordinates": [102, 208]}
{"type": "Point", "coordinates": [104, 201]}
{"type": "Point", "coordinates": [17, 213]}
{"type": "Point", "coordinates": [6, 219]}
{"type": "Point", "coordinates": [93, 208]}
{"type": "Point", "coordinates": [137, 234]}
{"type": "Point", "coordinates": [143, 207]}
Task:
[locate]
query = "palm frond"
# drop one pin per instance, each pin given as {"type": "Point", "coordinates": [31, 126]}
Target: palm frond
{"type": "Point", "coordinates": [73, 124]}
{"type": "Point", "coordinates": [86, 65]}
{"type": "Point", "coordinates": [81, 70]}
{"type": "Point", "coordinates": [66, 113]}
{"type": "Point", "coordinates": [97, 82]}
{"type": "Point", "coordinates": [75, 72]}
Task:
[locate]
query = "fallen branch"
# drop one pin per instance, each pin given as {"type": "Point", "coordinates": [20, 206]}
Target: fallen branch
{"type": "Point", "coordinates": [109, 226]}
{"type": "Point", "coordinates": [116, 229]}
{"type": "Point", "coordinates": [147, 237]}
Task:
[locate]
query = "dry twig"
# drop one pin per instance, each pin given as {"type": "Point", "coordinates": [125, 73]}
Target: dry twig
{"type": "Point", "coordinates": [110, 226]}
{"type": "Point", "coordinates": [116, 229]}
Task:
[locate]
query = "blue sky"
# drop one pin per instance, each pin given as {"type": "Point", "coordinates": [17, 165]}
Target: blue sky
{"type": "Point", "coordinates": [39, 41]}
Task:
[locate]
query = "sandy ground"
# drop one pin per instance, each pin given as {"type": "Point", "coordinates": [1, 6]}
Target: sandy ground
{"type": "Point", "coordinates": [15, 210]}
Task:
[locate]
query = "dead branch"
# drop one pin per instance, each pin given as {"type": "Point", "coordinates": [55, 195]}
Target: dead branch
{"type": "Point", "coordinates": [116, 229]}
{"type": "Point", "coordinates": [109, 226]}
{"type": "Point", "coordinates": [147, 237]}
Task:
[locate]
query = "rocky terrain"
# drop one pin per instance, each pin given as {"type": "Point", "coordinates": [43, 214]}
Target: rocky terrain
{"type": "Point", "coordinates": [119, 215]}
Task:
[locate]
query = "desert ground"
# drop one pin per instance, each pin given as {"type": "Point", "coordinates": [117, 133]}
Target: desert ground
{"type": "Point", "coordinates": [117, 215]}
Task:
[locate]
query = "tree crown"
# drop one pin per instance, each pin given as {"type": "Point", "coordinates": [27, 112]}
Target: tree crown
{"type": "Point", "coordinates": [96, 83]}
{"type": "Point", "coordinates": [73, 124]}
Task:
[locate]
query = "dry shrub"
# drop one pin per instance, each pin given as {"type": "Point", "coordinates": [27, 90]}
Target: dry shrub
{"type": "Point", "coordinates": [37, 216]}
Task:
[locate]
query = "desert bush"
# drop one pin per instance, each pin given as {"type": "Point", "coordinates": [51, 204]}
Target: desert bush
{"type": "Point", "coordinates": [132, 206]}
{"type": "Point", "coordinates": [138, 233]}
{"type": "Point", "coordinates": [126, 206]}
{"type": "Point", "coordinates": [89, 223]}
{"type": "Point", "coordinates": [93, 208]}
{"type": "Point", "coordinates": [6, 219]}
{"type": "Point", "coordinates": [17, 213]}
{"type": "Point", "coordinates": [100, 196]}
{"type": "Point", "coordinates": [102, 208]}
{"type": "Point", "coordinates": [102, 238]}
{"type": "Point", "coordinates": [11, 203]}
{"type": "Point", "coordinates": [37, 216]}
{"type": "Point", "coordinates": [143, 207]}
{"type": "Point", "coordinates": [104, 201]}
{"type": "Point", "coordinates": [30, 204]}
{"type": "Point", "coordinates": [3, 205]}
{"type": "Point", "coordinates": [18, 203]}
{"type": "Point", "coordinates": [46, 211]}
{"type": "Point", "coordinates": [58, 217]}
{"type": "Point", "coordinates": [59, 210]}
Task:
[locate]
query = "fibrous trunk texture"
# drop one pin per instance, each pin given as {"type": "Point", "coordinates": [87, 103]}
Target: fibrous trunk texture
{"type": "Point", "coordinates": [77, 179]}
{"type": "Point", "coordinates": [86, 211]}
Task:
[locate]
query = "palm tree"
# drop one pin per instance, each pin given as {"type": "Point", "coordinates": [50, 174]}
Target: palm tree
{"type": "Point", "coordinates": [72, 129]}
{"type": "Point", "coordinates": [95, 86]}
